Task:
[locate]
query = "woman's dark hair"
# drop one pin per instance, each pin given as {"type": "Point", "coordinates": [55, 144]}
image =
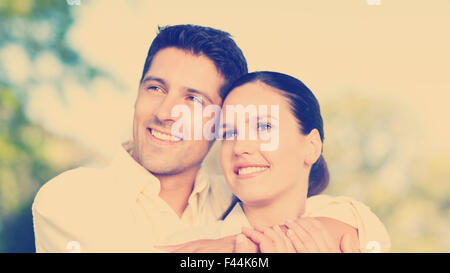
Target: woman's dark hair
{"type": "Point", "coordinates": [306, 110]}
{"type": "Point", "coordinates": [215, 44]}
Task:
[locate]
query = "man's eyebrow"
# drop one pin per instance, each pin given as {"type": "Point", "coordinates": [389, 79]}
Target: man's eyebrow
{"type": "Point", "coordinates": [195, 91]}
{"type": "Point", "coordinates": [151, 78]}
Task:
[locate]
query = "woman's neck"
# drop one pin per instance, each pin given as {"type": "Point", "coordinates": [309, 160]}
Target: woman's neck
{"type": "Point", "coordinates": [289, 205]}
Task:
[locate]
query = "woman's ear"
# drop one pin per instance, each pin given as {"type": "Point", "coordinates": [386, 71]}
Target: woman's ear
{"type": "Point", "coordinates": [314, 144]}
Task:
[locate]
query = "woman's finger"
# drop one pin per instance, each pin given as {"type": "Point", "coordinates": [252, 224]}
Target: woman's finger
{"type": "Point", "coordinates": [307, 242]}
{"type": "Point", "coordinates": [347, 245]}
{"type": "Point", "coordinates": [315, 234]}
{"type": "Point", "coordinates": [265, 243]}
{"type": "Point", "coordinates": [244, 245]}
{"type": "Point", "coordinates": [277, 240]}
{"type": "Point", "coordinates": [296, 242]}
{"type": "Point", "coordinates": [287, 244]}
{"type": "Point", "coordinates": [323, 236]}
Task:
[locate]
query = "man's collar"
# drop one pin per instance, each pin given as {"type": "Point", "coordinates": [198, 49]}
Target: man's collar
{"type": "Point", "coordinates": [201, 186]}
{"type": "Point", "coordinates": [133, 178]}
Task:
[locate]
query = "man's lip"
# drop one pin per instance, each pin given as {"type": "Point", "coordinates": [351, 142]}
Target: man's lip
{"type": "Point", "coordinates": [150, 129]}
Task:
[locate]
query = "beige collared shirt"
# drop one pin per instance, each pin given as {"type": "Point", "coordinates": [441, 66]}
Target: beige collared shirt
{"type": "Point", "coordinates": [117, 209]}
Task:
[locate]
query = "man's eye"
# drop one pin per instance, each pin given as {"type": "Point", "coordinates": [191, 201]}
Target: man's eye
{"type": "Point", "coordinates": [195, 99]}
{"type": "Point", "coordinates": [262, 126]}
{"type": "Point", "coordinates": [155, 89]}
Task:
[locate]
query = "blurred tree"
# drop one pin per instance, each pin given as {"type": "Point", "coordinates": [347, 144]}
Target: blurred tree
{"type": "Point", "coordinates": [30, 156]}
{"type": "Point", "coordinates": [36, 29]}
{"type": "Point", "coordinates": [374, 154]}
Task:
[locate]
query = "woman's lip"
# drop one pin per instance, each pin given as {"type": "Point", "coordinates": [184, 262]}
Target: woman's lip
{"type": "Point", "coordinates": [251, 175]}
{"type": "Point", "coordinates": [242, 166]}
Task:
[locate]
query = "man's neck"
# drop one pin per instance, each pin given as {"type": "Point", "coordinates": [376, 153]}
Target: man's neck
{"type": "Point", "coordinates": [176, 189]}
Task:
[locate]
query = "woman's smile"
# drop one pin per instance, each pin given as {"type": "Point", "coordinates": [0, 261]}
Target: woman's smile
{"type": "Point", "coordinates": [249, 171]}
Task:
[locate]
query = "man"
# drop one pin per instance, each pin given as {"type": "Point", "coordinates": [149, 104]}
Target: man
{"type": "Point", "coordinates": [154, 186]}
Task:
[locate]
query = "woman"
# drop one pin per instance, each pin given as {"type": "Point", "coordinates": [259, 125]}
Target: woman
{"type": "Point", "coordinates": [273, 185]}
{"type": "Point", "coordinates": [271, 181]}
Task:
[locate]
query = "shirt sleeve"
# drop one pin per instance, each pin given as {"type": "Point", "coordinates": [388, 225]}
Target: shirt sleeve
{"type": "Point", "coordinates": [48, 237]}
{"type": "Point", "coordinates": [373, 236]}
{"type": "Point", "coordinates": [53, 220]}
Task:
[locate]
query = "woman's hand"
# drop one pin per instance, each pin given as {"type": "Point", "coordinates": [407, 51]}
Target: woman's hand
{"type": "Point", "coordinates": [309, 235]}
{"type": "Point", "coordinates": [244, 245]}
{"type": "Point", "coordinates": [269, 239]}
{"type": "Point", "coordinates": [303, 235]}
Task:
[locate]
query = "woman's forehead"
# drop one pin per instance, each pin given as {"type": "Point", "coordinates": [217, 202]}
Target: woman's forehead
{"type": "Point", "coordinates": [255, 93]}
{"type": "Point", "coordinates": [256, 101]}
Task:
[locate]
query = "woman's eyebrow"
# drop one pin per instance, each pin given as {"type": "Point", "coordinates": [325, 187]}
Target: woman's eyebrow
{"type": "Point", "coordinates": [248, 119]}
{"type": "Point", "coordinates": [226, 126]}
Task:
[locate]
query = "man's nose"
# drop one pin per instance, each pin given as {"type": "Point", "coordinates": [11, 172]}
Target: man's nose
{"type": "Point", "coordinates": [164, 110]}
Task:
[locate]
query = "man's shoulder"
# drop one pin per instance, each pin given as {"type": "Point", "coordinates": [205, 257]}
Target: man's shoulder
{"type": "Point", "coordinates": [68, 190]}
{"type": "Point", "coordinates": [77, 205]}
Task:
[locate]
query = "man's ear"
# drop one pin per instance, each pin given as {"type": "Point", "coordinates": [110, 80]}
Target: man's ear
{"type": "Point", "coordinates": [314, 144]}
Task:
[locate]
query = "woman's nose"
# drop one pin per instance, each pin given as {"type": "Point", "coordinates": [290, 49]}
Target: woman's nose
{"type": "Point", "coordinates": [245, 146]}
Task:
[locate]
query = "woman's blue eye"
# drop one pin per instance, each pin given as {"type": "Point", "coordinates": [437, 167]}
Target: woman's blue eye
{"type": "Point", "coordinates": [264, 126]}
{"type": "Point", "coordinates": [228, 134]}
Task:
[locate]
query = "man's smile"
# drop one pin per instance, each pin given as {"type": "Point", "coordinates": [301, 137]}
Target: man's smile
{"type": "Point", "coordinates": [162, 137]}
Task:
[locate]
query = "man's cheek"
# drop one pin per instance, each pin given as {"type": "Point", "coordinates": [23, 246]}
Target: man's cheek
{"type": "Point", "coordinates": [138, 111]}
{"type": "Point", "coordinates": [145, 104]}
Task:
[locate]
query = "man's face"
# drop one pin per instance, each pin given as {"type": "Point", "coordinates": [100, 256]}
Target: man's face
{"type": "Point", "coordinates": [175, 77]}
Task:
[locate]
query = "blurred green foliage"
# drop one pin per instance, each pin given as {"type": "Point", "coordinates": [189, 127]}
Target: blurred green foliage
{"type": "Point", "coordinates": [25, 165]}
{"type": "Point", "coordinates": [30, 156]}
{"type": "Point", "coordinates": [374, 154]}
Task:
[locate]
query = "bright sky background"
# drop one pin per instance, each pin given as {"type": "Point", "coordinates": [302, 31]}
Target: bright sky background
{"type": "Point", "coordinates": [399, 50]}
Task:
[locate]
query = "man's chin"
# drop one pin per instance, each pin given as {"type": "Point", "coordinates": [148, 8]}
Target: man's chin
{"type": "Point", "coordinates": [160, 167]}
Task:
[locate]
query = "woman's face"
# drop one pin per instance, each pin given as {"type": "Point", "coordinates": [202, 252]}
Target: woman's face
{"type": "Point", "coordinates": [258, 176]}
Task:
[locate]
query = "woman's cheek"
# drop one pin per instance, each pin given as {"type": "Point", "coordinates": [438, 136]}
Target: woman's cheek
{"type": "Point", "coordinates": [225, 158]}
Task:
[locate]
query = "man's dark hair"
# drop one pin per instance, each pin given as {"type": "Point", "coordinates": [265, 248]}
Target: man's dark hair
{"type": "Point", "coordinates": [215, 44]}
